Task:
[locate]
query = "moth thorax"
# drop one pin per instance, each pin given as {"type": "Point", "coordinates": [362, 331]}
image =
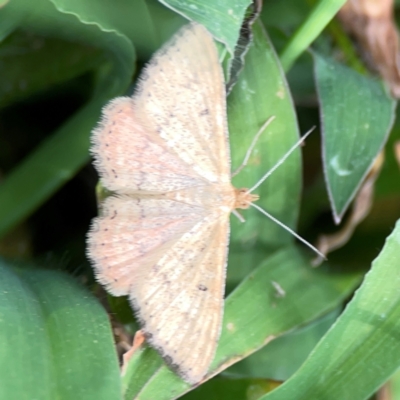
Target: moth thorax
{"type": "Point", "coordinates": [244, 198]}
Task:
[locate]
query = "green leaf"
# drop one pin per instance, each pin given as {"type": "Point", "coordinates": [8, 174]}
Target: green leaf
{"type": "Point", "coordinates": [223, 18]}
{"type": "Point", "coordinates": [60, 156]}
{"type": "Point", "coordinates": [260, 93]}
{"type": "Point", "coordinates": [254, 315]}
{"type": "Point", "coordinates": [357, 115]}
{"type": "Point", "coordinates": [361, 350]}
{"type": "Point", "coordinates": [128, 19]}
{"type": "Point", "coordinates": [284, 355]}
{"type": "Point", "coordinates": [23, 74]}
{"type": "Point", "coordinates": [56, 339]}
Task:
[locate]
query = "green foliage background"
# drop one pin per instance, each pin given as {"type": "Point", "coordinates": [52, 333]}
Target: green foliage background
{"type": "Point", "coordinates": [60, 62]}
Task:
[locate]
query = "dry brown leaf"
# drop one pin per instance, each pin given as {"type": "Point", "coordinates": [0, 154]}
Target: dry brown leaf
{"type": "Point", "coordinates": [361, 208]}
{"type": "Point", "coordinates": [372, 24]}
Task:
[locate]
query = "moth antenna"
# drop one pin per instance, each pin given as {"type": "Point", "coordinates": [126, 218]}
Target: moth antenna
{"type": "Point", "coordinates": [288, 229]}
{"type": "Point", "coordinates": [252, 145]}
{"type": "Point", "coordinates": [281, 161]}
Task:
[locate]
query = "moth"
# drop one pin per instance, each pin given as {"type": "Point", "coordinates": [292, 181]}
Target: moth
{"type": "Point", "coordinates": [162, 237]}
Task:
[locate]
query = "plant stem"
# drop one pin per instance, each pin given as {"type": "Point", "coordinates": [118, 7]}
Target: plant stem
{"type": "Point", "coordinates": [320, 16]}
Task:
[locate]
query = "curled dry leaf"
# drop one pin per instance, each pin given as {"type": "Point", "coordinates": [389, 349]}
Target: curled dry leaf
{"type": "Point", "coordinates": [361, 208]}
{"type": "Point", "coordinates": [372, 24]}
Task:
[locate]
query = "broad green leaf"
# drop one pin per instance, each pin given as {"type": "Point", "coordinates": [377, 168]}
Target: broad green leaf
{"type": "Point", "coordinates": [56, 339]}
{"type": "Point", "coordinates": [59, 157]}
{"type": "Point", "coordinates": [129, 19]}
{"type": "Point", "coordinates": [260, 93]}
{"type": "Point", "coordinates": [284, 355]}
{"type": "Point", "coordinates": [9, 21]}
{"type": "Point", "coordinates": [223, 18]}
{"type": "Point", "coordinates": [361, 350]}
{"type": "Point", "coordinates": [254, 315]}
{"type": "Point", "coordinates": [277, 11]}
{"type": "Point", "coordinates": [23, 74]}
{"type": "Point", "coordinates": [357, 115]}
{"type": "Point", "coordinates": [266, 314]}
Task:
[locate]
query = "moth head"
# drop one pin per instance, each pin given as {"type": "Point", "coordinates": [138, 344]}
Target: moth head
{"type": "Point", "coordinates": [244, 198]}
